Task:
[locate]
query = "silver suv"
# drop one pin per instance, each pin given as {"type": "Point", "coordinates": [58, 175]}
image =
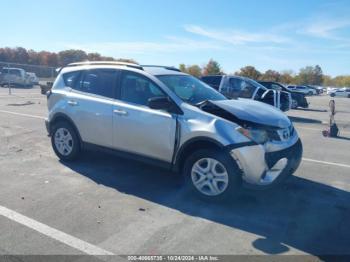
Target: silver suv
{"type": "Point", "coordinates": [163, 116]}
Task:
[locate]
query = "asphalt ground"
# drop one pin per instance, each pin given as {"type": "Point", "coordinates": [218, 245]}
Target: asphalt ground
{"type": "Point", "coordinates": [103, 205]}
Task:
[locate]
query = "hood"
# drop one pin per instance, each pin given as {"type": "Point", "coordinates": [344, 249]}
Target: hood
{"type": "Point", "coordinates": [254, 111]}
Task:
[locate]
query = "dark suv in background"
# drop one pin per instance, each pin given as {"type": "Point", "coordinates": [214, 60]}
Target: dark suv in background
{"type": "Point", "coordinates": [298, 98]}
{"type": "Point", "coordinates": [236, 86]}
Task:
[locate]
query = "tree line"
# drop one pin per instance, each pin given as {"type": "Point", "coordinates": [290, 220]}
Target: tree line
{"type": "Point", "coordinates": [312, 75]}
{"type": "Point", "coordinates": [21, 55]}
{"type": "Point", "coordinates": [309, 75]}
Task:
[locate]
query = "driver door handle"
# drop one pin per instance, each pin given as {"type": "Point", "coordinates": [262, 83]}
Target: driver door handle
{"type": "Point", "coordinates": [120, 112]}
{"type": "Point", "coordinates": [72, 103]}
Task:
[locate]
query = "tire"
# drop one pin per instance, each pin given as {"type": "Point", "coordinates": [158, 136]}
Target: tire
{"type": "Point", "coordinates": [227, 175]}
{"type": "Point", "coordinates": [310, 93]}
{"type": "Point", "coordinates": [65, 141]}
{"type": "Point", "coordinates": [332, 95]}
{"type": "Point", "coordinates": [349, 96]}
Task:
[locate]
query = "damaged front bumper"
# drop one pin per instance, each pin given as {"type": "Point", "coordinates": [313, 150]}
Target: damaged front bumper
{"type": "Point", "coordinates": [263, 168]}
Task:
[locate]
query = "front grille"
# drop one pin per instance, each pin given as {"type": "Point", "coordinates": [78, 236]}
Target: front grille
{"type": "Point", "coordinates": [294, 151]}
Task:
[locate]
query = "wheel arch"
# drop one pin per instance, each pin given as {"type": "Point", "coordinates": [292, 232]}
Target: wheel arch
{"type": "Point", "coordinates": [191, 146]}
{"type": "Point", "coordinates": [61, 117]}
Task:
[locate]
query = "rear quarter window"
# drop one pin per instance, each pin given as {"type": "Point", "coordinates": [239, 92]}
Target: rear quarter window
{"type": "Point", "coordinates": [72, 79]}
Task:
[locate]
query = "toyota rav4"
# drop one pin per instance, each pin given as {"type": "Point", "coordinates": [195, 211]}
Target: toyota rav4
{"type": "Point", "coordinates": [166, 117]}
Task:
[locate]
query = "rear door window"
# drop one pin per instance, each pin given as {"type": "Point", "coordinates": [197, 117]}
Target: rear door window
{"type": "Point", "coordinates": [247, 90]}
{"type": "Point", "coordinates": [207, 79]}
{"type": "Point", "coordinates": [15, 72]}
{"type": "Point", "coordinates": [231, 87]}
{"type": "Point", "coordinates": [100, 82]}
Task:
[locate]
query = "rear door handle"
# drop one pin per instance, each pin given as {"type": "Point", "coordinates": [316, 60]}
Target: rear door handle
{"type": "Point", "coordinates": [120, 112]}
{"type": "Point", "coordinates": [72, 103]}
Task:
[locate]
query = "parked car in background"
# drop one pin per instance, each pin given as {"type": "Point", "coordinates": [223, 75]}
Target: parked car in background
{"type": "Point", "coordinates": [33, 78]}
{"type": "Point", "coordinates": [166, 117]}
{"type": "Point", "coordinates": [331, 89]}
{"type": "Point", "coordinates": [343, 92]}
{"type": "Point", "coordinates": [237, 86]}
{"type": "Point", "coordinates": [298, 98]}
{"type": "Point", "coordinates": [319, 89]}
{"type": "Point", "coordinates": [304, 89]}
{"type": "Point", "coordinates": [14, 77]}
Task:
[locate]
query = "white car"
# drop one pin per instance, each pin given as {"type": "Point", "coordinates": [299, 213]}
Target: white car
{"type": "Point", "coordinates": [33, 78]}
{"type": "Point", "coordinates": [331, 90]}
{"type": "Point", "coordinates": [304, 89]}
{"type": "Point", "coordinates": [344, 92]}
{"type": "Point", "coordinates": [15, 77]}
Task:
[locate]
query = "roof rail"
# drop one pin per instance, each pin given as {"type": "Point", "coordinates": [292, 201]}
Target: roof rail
{"type": "Point", "coordinates": [106, 63]}
{"type": "Point", "coordinates": [165, 67]}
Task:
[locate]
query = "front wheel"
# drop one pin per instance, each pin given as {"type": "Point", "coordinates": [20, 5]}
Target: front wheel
{"type": "Point", "coordinates": [212, 175]}
{"type": "Point", "coordinates": [65, 141]}
{"type": "Point", "coordinates": [310, 93]}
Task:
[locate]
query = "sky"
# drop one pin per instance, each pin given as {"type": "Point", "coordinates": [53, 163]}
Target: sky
{"type": "Point", "coordinates": [270, 34]}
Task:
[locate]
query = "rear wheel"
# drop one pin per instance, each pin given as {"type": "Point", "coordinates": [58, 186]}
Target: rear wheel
{"type": "Point", "coordinates": [212, 175]}
{"type": "Point", "coordinates": [310, 93]}
{"type": "Point", "coordinates": [65, 141]}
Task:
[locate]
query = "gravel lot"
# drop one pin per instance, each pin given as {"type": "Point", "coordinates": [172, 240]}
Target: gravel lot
{"type": "Point", "coordinates": [119, 206]}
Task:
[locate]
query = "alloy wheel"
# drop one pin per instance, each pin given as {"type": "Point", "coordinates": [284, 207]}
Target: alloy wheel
{"type": "Point", "coordinates": [63, 141]}
{"type": "Point", "coordinates": [209, 176]}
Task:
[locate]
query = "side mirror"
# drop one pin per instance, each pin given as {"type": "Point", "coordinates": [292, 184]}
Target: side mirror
{"type": "Point", "coordinates": [164, 103]}
{"type": "Point", "coordinates": [160, 102]}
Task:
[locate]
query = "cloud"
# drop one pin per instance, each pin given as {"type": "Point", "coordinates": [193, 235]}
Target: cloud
{"type": "Point", "coordinates": [325, 28]}
{"type": "Point", "coordinates": [236, 37]}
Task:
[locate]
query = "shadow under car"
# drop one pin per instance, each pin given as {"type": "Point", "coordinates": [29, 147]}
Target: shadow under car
{"type": "Point", "coordinates": [306, 215]}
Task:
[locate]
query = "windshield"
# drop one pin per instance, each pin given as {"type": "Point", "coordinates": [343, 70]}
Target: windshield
{"type": "Point", "coordinates": [256, 84]}
{"type": "Point", "coordinates": [190, 89]}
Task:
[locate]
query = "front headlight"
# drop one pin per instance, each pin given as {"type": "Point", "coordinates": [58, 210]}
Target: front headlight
{"type": "Point", "coordinates": [257, 135]}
